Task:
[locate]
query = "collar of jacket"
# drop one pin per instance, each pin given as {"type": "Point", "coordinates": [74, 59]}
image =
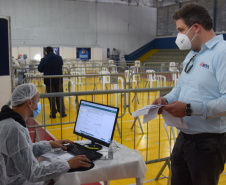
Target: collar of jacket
{"type": "Point", "coordinates": [7, 112]}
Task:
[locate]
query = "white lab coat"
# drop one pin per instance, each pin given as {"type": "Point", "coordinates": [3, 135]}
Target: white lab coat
{"type": "Point", "coordinates": [15, 63]}
{"type": "Point", "coordinates": [18, 157]}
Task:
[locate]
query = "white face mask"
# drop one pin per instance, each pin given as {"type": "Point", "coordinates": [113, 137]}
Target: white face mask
{"type": "Point", "coordinates": [183, 42]}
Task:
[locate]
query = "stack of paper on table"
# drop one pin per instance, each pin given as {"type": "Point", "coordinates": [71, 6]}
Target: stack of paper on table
{"type": "Point", "coordinates": [151, 111]}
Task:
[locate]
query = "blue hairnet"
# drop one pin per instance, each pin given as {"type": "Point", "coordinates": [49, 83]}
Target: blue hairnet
{"type": "Point", "coordinates": [22, 93]}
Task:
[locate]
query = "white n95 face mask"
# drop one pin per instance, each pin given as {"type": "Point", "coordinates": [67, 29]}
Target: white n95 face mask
{"type": "Point", "coordinates": [183, 42]}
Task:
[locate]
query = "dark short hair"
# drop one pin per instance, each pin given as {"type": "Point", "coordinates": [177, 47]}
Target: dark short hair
{"type": "Point", "coordinates": [193, 13]}
{"type": "Point", "coordinates": [49, 49]}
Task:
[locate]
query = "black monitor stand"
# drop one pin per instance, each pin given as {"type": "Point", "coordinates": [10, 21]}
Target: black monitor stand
{"type": "Point", "coordinates": [94, 145]}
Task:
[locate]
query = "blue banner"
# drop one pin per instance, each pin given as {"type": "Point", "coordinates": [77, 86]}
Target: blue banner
{"type": "Point", "coordinates": [83, 53]}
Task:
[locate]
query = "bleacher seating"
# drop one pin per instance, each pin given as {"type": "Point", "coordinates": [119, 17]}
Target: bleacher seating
{"type": "Point", "coordinates": [168, 55]}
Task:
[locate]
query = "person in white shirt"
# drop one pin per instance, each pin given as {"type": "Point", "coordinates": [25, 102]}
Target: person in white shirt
{"type": "Point", "coordinates": [199, 154]}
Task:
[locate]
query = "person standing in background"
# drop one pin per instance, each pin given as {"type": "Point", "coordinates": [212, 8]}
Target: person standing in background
{"type": "Point", "coordinates": [22, 60]}
{"type": "Point", "coordinates": [52, 64]}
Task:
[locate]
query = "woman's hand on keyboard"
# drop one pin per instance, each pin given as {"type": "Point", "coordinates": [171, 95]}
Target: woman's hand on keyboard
{"type": "Point", "coordinates": [58, 143]}
{"type": "Point", "coordinates": [79, 161]}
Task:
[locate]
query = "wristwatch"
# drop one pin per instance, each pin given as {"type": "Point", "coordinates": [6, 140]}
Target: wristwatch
{"type": "Point", "coordinates": [188, 110]}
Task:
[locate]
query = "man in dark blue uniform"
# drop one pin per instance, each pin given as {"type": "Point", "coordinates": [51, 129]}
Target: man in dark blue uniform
{"type": "Point", "coordinates": [52, 64]}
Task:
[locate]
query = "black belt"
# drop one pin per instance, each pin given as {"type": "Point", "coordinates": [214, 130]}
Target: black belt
{"type": "Point", "coordinates": [201, 136]}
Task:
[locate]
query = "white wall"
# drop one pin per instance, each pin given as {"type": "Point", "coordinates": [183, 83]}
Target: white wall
{"type": "Point", "coordinates": [65, 52]}
{"type": "Point", "coordinates": [5, 89]}
{"type": "Point", "coordinates": [62, 23]}
{"type": "Point", "coordinates": [98, 54]}
{"type": "Point", "coordinates": [68, 52]}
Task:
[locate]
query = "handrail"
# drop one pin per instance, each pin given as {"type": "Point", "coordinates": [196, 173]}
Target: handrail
{"type": "Point", "coordinates": [60, 94]}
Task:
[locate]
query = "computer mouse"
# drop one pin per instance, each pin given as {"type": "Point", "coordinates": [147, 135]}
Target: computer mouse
{"type": "Point", "coordinates": [82, 168]}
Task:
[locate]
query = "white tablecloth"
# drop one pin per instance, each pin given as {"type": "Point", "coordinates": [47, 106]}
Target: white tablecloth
{"type": "Point", "coordinates": [126, 164]}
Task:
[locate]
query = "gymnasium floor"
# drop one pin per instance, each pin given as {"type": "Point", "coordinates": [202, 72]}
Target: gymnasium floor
{"type": "Point", "coordinates": [153, 144]}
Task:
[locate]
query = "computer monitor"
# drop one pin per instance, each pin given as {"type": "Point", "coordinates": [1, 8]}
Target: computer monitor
{"type": "Point", "coordinates": [96, 122]}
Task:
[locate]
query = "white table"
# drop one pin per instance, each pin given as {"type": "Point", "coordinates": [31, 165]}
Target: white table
{"type": "Point", "coordinates": [126, 163]}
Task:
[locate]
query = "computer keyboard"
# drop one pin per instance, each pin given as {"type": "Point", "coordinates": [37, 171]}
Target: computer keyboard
{"type": "Point", "coordinates": [77, 149]}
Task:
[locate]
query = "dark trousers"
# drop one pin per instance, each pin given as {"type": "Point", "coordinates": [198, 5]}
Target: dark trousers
{"type": "Point", "coordinates": [56, 101]}
{"type": "Point", "coordinates": [198, 161]}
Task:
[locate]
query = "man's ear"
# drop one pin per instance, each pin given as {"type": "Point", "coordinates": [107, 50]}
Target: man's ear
{"type": "Point", "coordinates": [28, 102]}
{"type": "Point", "coordinates": [197, 27]}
